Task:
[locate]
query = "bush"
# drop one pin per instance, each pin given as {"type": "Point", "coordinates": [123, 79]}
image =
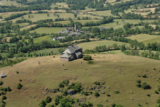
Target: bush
{"type": "Point", "coordinates": [146, 86]}
{"type": "Point", "coordinates": [99, 105]}
{"type": "Point", "coordinates": [61, 85]}
{"type": "Point", "coordinates": [76, 100]}
{"type": "Point", "coordinates": [97, 83]}
{"type": "Point", "coordinates": [78, 87]}
{"type": "Point", "coordinates": [158, 100]}
{"type": "Point", "coordinates": [20, 80]}
{"type": "Point", "coordinates": [148, 95]}
{"type": "Point", "coordinates": [156, 92]}
{"type": "Point", "coordinates": [42, 104]}
{"type": "Point", "coordinates": [108, 95]}
{"type": "Point", "coordinates": [90, 62]}
{"type": "Point", "coordinates": [1, 82]}
{"type": "Point", "coordinates": [138, 85]}
{"type": "Point", "coordinates": [138, 81]}
{"type": "Point", "coordinates": [119, 105]}
{"type": "Point", "coordinates": [144, 76]}
{"type": "Point", "coordinates": [96, 94]}
{"type": "Point", "coordinates": [158, 105]}
{"type": "Point", "coordinates": [48, 99]}
{"type": "Point", "coordinates": [19, 86]}
{"type": "Point", "coordinates": [64, 92]}
{"type": "Point", "coordinates": [87, 57]}
{"type": "Point", "coordinates": [113, 105]}
{"type": "Point", "coordinates": [116, 92]}
{"type": "Point", "coordinates": [4, 98]}
{"type": "Point", "coordinates": [66, 82]}
{"type": "Point", "coordinates": [159, 88]}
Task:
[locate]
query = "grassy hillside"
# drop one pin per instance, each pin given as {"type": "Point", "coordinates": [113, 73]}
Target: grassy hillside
{"type": "Point", "coordinates": [119, 72]}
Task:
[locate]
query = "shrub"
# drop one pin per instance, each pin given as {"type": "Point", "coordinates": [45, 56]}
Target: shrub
{"type": "Point", "coordinates": [99, 105]}
{"type": "Point", "coordinates": [87, 57]}
{"type": "Point", "coordinates": [148, 95]}
{"type": "Point", "coordinates": [144, 76]}
{"type": "Point", "coordinates": [76, 100]}
{"type": "Point", "coordinates": [61, 85]}
{"type": "Point", "coordinates": [17, 72]}
{"type": "Point", "coordinates": [1, 82]}
{"type": "Point", "coordinates": [158, 105]}
{"type": "Point", "coordinates": [138, 85]}
{"type": "Point", "coordinates": [158, 100]}
{"type": "Point", "coordinates": [108, 95]}
{"type": "Point", "coordinates": [90, 62]}
{"type": "Point", "coordinates": [113, 105]}
{"type": "Point", "coordinates": [119, 105]}
{"type": "Point", "coordinates": [116, 92]}
{"type": "Point", "coordinates": [139, 105]}
{"type": "Point", "coordinates": [48, 99]}
{"type": "Point", "coordinates": [159, 88]}
{"type": "Point", "coordinates": [19, 86]}
{"type": "Point", "coordinates": [85, 93]}
{"type": "Point", "coordinates": [154, 68]}
{"type": "Point", "coordinates": [66, 82]}
{"type": "Point", "coordinates": [97, 83]}
{"type": "Point", "coordinates": [78, 87]}
{"type": "Point", "coordinates": [42, 104]}
{"type": "Point", "coordinates": [156, 92]}
{"type": "Point", "coordinates": [20, 80]}
{"type": "Point", "coordinates": [96, 94]}
{"type": "Point", "coordinates": [9, 89]}
{"type": "Point", "coordinates": [146, 86]}
{"type": "Point", "coordinates": [138, 81]}
{"type": "Point", "coordinates": [64, 92]}
{"type": "Point", "coordinates": [4, 98]}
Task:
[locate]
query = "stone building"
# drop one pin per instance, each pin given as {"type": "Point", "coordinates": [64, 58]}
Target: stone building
{"type": "Point", "coordinates": [72, 52]}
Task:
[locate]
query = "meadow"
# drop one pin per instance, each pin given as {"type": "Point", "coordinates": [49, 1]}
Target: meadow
{"type": "Point", "coordinates": [119, 72]}
{"type": "Point", "coordinates": [93, 44]}
{"type": "Point", "coordinates": [48, 30]}
{"type": "Point", "coordinates": [145, 38]}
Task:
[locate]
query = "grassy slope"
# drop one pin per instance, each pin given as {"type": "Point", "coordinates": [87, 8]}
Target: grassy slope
{"type": "Point", "coordinates": [106, 68]}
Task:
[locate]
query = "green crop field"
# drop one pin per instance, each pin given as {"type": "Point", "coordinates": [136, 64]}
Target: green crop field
{"type": "Point", "coordinates": [9, 3]}
{"type": "Point", "coordinates": [91, 45]}
{"type": "Point", "coordinates": [82, 21]}
{"type": "Point", "coordinates": [119, 72]}
{"type": "Point", "coordinates": [48, 30]}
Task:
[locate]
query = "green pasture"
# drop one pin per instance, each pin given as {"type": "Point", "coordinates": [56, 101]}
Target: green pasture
{"type": "Point", "coordinates": [48, 30]}
{"type": "Point", "coordinates": [102, 13]}
{"type": "Point", "coordinates": [93, 44]}
{"type": "Point", "coordinates": [40, 39]}
{"type": "Point", "coordinates": [9, 3]}
{"type": "Point", "coordinates": [81, 21]}
{"type": "Point", "coordinates": [121, 23]}
{"type": "Point", "coordinates": [145, 38]}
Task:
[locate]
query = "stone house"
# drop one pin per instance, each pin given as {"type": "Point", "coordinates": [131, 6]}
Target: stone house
{"type": "Point", "coordinates": [72, 52]}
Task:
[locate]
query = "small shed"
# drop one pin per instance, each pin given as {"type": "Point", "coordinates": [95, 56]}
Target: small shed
{"type": "Point", "coordinates": [3, 75]}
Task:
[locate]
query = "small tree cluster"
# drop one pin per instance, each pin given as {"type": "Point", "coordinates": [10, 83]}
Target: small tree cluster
{"type": "Point", "coordinates": [87, 57]}
{"type": "Point", "coordinates": [19, 86]}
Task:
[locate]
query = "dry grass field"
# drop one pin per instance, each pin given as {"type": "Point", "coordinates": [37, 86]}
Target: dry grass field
{"type": "Point", "coordinates": [119, 72]}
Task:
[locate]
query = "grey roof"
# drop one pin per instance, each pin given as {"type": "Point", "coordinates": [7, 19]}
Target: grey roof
{"type": "Point", "coordinates": [66, 31]}
{"type": "Point", "coordinates": [65, 55]}
{"type": "Point", "coordinates": [71, 49]}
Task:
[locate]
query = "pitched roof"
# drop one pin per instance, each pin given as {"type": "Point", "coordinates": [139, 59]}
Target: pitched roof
{"type": "Point", "coordinates": [65, 55]}
{"type": "Point", "coordinates": [78, 53]}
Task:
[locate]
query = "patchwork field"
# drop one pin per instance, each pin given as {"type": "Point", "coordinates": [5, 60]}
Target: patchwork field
{"type": "Point", "coordinates": [119, 72]}
{"type": "Point", "coordinates": [92, 45]}
{"type": "Point", "coordinates": [102, 13]}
